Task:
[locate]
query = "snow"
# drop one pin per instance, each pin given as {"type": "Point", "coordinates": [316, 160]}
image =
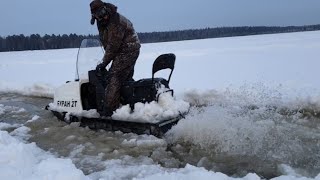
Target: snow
{"type": "Point", "coordinates": [10, 109]}
{"type": "Point", "coordinates": [166, 108]}
{"type": "Point", "coordinates": [1, 109]}
{"type": "Point", "coordinates": [4, 126]}
{"type": "Point", "coordinates": [21, 133]}
{"type": "Point", "coordinates": [34, 118]}
{"type": "Point", "coordinates": [92, 113]}
{"type": "Point", "coordinates": [242, 122]}
{"type": "Point", "coordinates": [254, 70]}
{"type": "Point", "coordinates": [144, 141]}
{"type": "Point", "coordinates": [123, 169]}
{"type": "Point", "coordinates": [27, 161]}
{"type": "Point", "coordinates": [191, 173]}
{"type": "Point", "coordinates": [287, 59]}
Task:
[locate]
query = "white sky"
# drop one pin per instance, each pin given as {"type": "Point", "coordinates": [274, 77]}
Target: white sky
{"type": "Point", "coordinates": [73, 16]}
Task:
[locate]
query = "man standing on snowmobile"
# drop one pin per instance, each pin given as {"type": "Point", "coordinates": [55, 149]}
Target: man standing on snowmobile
{"type": "Point", "coordinates": [122, 47]}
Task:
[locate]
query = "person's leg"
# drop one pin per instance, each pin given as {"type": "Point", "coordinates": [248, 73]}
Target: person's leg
{"type": "Point", "coordinates": [131, 58]}
{"type": "Point", "coordinates": [112, 95]}
{"type": "Point", "coordinates": [121, 70]}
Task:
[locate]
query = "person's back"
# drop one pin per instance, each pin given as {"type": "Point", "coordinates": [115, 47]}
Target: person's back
{"type": "Point", "coordinates": [122, 47]}
{"type": "Point", "coordinates": [118, 25]}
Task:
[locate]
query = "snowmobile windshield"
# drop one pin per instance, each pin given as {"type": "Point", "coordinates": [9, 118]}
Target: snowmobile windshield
{"type": "Point", "coordinates": [90, 54]}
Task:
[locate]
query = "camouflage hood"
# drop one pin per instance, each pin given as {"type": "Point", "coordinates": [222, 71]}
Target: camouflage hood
{"type": "Point", "coordinates": [110, 8]}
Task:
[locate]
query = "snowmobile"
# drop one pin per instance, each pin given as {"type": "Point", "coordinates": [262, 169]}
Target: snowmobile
{"type": "Point", "coordinates": [74, 100]}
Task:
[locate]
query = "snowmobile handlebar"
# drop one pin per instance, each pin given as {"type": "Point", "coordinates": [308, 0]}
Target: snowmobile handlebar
{"type": "Point", "coordinates": [102, 73]}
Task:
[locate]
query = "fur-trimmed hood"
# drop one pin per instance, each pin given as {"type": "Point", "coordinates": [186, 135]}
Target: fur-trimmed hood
{"type": "Point", "coordinates": [96, 4]}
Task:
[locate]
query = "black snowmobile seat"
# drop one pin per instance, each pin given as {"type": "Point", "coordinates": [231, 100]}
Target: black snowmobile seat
{"type": "Point", "coordinates": [145, 90]}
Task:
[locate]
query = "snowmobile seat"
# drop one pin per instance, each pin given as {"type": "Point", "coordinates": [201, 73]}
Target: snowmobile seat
{"type": "Point", "coordinates": [164, 61]}
{"type": "Point", "coordinates": [145, 90]}
{"type": "Point", "coordinates": [131, 92]}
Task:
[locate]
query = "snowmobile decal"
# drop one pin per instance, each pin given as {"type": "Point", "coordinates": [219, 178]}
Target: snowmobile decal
{"type": "Point", "coordinates": [67, 103]}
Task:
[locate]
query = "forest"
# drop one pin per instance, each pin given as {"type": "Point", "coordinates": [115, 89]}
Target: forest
{"type": "Point", "coordinates": [38, 42]}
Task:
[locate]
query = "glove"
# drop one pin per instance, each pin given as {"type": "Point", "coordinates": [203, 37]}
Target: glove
{"type": "Point", "coordinates": [101, 67]}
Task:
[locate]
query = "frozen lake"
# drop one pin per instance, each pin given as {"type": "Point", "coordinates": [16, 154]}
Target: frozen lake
{"type": "Point", "coordinates": [255, 109]}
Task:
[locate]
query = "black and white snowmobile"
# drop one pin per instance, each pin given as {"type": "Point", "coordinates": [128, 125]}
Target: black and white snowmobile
{"type": "Point", "coordinates": [82, 100]}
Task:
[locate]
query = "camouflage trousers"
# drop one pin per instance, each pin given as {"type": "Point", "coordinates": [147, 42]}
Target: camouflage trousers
{"type": "Point", "coordinates": [122, 69]}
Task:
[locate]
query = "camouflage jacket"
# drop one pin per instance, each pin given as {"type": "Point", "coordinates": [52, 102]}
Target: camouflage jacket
{"type": "Point", "coordinates": [117, 34]}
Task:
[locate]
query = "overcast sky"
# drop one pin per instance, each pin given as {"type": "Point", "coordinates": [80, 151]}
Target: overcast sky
{"type": "Point", "coordinates": [73, 16]}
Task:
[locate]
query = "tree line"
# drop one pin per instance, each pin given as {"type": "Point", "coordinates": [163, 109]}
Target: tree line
{"type": "Point", "coordinates": [37, 42]}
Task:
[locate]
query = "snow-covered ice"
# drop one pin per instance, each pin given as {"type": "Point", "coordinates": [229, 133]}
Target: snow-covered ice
{"type": "Point", "coordinates": [27, 161]}
{"type": "Point", "coordinates": [223, 77]}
